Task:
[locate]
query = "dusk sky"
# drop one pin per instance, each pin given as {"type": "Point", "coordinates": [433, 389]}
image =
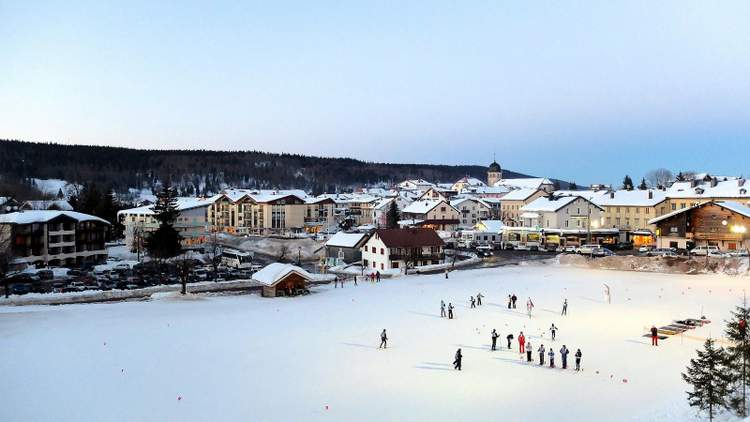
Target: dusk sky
{"type": "Point", "coordinates": [584, 91]}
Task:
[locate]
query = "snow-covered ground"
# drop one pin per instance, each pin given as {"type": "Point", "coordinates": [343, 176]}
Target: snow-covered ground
{"type": "Point", "coordinates": [316, 357]}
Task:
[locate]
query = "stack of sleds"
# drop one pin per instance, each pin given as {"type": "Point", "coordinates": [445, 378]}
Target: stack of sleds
{"type": "Point", "coordinates": [679, 327]}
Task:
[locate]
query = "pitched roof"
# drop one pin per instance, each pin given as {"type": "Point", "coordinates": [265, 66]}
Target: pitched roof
{"type": "Point", "coordinates": [491, 226]}
{"type": "Point", "coordinates": [519, 194]}
{"type": "Point", "coordinates": [409, 237]}
{"type": "Point", "coordinates": [422, 206]}
{"type": "Point", "coordinates": [547, 204]}
{"type": "Point", "coordinates": [524, 183]}
{"type": "Point", "coordinates": [346, 240]}
{"type": "Point", "coordinates": [59, 204]}
{"type": "Point", "coordinates": [272, 273]}
{"type": "Point", "coordinates": [732, 206]}
{"type": "Point", "coordinates": [43, 216]}
{"type": "Point", "coordinates": [183, 204]}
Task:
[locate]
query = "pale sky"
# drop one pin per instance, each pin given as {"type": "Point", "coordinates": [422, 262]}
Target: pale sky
{"type": "Point", "coordinates": [584, 91]}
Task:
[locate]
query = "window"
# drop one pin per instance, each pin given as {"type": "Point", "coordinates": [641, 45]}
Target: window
{"type": "Point", "coordinates": [674, 207]}
{"type": "Point", "coordinates": [382, 251]}
{"type": "Point", "coordinates": [566, 223]}
{"type": "Point", "coordinates": [682, 205]}
{"type": "Point", "coordinates": [382, 267]}
{"type": "Point", "coordinates": [394, 264]}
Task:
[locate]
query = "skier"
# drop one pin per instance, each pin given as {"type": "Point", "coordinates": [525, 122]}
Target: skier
{"type": "Point", "coordinates": [442, 309]}
{"type": "Point", "coordinates": [446, 273]}
{"type": "Point", "coordinates": [509, 338]}
{"type": "Point", "coordinates": [564, 354]}
{"type": "Point", "coordinates": [565, 307]}
{"type": "Point", "coordinates": [521, 342]}
{"type": "Point", "coordinates": [529, 306]}
{"type": "Point", "coordinates": [479, 299]}
{"type": "Point", "coordinates": [654, 336]}
{"type": "Point", "coordinates": [473, 302]}
{"type": "Point", "coordinates": [450, 310]}
{"type": "Point", "coordinates": [541, 354]}
{"type": "Point", "coordinates": [553, 330]}
{"type": "Point", "coordinates": [457, 361]}
{"type": "Point", "coordinates": [383, 340]}
{"type": "Point", "coordinates": [495, 335]}
{"type": "Point", "coordinates": [377, 276]}
{"type": "Point", "coordinates": [551, 358]}
{"type": "Point", "coordinates": [510, 301]}
{"type": "Point", "coordinates": [514, 298]}
{"type": "Point", "coordinates": [529, 349]}
{"type": "Point", "coordinates": [607, 296]}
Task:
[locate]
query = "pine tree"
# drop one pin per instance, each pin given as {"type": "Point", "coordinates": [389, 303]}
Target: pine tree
{"type": "Point", "coordinates": [710, 379]}
{"type": "Point", "coordinates": [643, 185]}
{"type": "Point", "coordinates": [573, 186]}
{"type": "Point", "coordinates": [164, 242]}
{"type": "Point", "coordinates": [627, 183]}
{"type": "Point", "coordinates": [739, 356]}
{"type": "Point", "coordinates": [392, 216]}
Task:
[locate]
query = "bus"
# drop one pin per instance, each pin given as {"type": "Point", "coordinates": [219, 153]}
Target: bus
{"type": "Point", "coordinates": [237, 259]}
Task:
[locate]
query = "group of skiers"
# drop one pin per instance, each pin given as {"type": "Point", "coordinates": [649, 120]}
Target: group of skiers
{"type": "Point", "coordinates": [443, 314]}
{"type": "Point", "coordinates": [564, 351]}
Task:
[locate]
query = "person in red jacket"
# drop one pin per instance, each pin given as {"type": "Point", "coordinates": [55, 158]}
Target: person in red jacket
{"type": "Point", "coordinates": [654, 336]}
{"type": "Point", "coordinates": [521, 343]}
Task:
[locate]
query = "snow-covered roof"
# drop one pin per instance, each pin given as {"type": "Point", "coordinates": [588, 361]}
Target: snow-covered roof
{"type": "Point", "coordinates": [346, 240]}
{"type": "Point", "coordinates": [471, 181]}
{"type": "Point", "coordinates": [519, 194]}
{"type": "Point", "coordinates": [735, 207]}
{"type": "Point", "coordinates": [458, 201]}
{"type": "Point", "coordinates": [183, 203]}
{"type": "Point", "coordinates": [491, 226]}
{"type": "Point", "coordinates": [422, 206]}
{"type": "Point", "coordinates": [263, 195]}
{"type": "Point", "coordinates": [272, 273]}
{"type": "Point", "coordinates": [731, 188]}
{"type": "Point", "coordinates": [624, 198]}
{"type": "Point", "coordinates": [547, 204]}
{"type": "Point", "coordinates": [524, 183]}
{"type": "Point", "coordinates": [529, 214]}
{"type": "Point", "coordinates": [486, 190]}
{"type": "Point", "coordinates": [43, 216]}
{"type": "Point", "coordinates": [59, 204]}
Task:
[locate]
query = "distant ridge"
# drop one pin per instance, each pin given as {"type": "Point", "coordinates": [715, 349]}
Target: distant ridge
{"type": "Point", "coordinates": [208, 171]}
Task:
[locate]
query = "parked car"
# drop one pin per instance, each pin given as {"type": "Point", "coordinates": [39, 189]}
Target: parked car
{"type": "Point", "coordinates": [717, 254]}
{"type": "Point", "coordinates": [645, 249]}
{"type": "Point", "coordinates": [662, 252]}
{"type": "Point", "coordinates": [704, 250]}
{"type": "Point", "coordinates": [601, 252]}
{"type": "Point", "coordinates": [20, 288]}
{"type": "Point", "coordinates": [570, 249]}
{"type": "Point", "coordinates": [623, 246]}
{"type": "Point", "coordinates": [587, 249]}
{"type": "Point", "coordinates": [739, 253]}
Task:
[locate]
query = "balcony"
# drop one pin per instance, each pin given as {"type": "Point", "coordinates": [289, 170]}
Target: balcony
{"type": "Point", "coordinates": [420, 257]}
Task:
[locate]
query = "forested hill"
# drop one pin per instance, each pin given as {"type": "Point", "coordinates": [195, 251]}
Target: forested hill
{"type": "Point", "coordinates": [202, 171]}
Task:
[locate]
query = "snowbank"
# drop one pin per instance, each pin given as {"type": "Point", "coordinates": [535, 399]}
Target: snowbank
{"type": "Point", "coordinates": [664, 264]}
{"type": "Point", "coordinates": [307, 248]}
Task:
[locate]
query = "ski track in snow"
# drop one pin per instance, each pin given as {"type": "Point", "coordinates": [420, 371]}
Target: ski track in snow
{"type": "Point", "coordinates": [316, 357]}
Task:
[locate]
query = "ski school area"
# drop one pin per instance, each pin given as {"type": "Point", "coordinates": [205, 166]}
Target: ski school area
{"type": "Point", "coordinates": [317, 357]}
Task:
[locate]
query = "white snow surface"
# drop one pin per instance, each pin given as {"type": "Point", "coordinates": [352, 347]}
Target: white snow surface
{"type": "Point", "coordinates": [315, 357]}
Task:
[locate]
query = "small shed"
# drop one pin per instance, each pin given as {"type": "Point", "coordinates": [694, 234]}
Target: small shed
{"type": "Point", "coordinates": [345, 247]}
{"type": "Point", "coordinates": [279, 279]}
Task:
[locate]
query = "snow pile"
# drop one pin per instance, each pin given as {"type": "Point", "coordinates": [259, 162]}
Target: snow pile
{"type": "Point", "coordinates": [662, 264]}
{"type": "Point", "coordinates": [228, 357]}
{"type": "Point", "coordinates": [307, 248]}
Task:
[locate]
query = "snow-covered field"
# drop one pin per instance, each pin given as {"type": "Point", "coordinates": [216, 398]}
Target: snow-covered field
{"type": "Point", "coordinates": [316, 357]}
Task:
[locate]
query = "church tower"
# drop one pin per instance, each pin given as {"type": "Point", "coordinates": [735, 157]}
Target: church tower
{"type": "Point", "coordinates": [494, 173]}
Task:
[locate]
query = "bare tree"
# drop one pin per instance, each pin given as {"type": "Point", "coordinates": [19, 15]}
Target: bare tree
{"type": "Point", "coordinates": [212, 251]}
{"type": "Point", "coordinates": [659, 177]}
{"type": "Point", "coordinates": [185, 264]}
{"type": "Point", "coordinates": [283, 251]}
{"type": "Point", "coordinates": [5, 256]}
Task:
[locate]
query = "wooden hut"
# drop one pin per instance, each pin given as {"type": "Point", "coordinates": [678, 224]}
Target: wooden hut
{"type": "Point", "coordinates": [279, 279]}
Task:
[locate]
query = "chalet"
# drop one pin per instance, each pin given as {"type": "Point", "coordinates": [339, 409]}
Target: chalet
{"type": "Point", "coordinates": [721, 224]}
{"type": "Point", "coordinates": [389, 249]}
{"type": "Point", "coordinates": [279, 279]}
{"type": "Point", "coordinates": [436, 215]}
{"type": "Point", "coordinates": [53, 237]}
{"type": "Point", "coordinates": [488, 232]}
{"type": "Point", "coordinates": [344, 248]}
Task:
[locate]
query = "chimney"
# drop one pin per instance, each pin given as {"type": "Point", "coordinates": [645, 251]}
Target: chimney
{"type": "Point", "coordinates": [650, 194]}
{"type": "Point", "coordinates": [714, 182]}
{"type": "Point", "coordinates": [693, 183]}
{"type": "Point", "coordinates": [611, 194]}
{"type": "Point", "coordinates": [741, 181]}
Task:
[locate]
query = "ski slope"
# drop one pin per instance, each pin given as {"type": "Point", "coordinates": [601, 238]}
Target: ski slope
{"type": "Point", "coordinates": [229, 358]}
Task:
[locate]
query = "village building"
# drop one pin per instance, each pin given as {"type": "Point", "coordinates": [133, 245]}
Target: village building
{"type": "Point", "coordinates": [494, 173]}
{"type": "Point", "coordinates": [566, 219]}
{"type": "Point", "coordinates": [191, 223]}
{"type": "Point", "coordinates": [437, 193]}
{"type": "Point", "coordinates": [415, 184]}
{"type": "Point", "coordinates": [704, 188]}
{"type": "Point", "coordinates": [470, 211]}
{"type": "Point", "coordinates": [345, 248]}
{"type": "Point", "coordinates": [381, 207]}
{"type": "Point", "coordinates": [277, 279]}
{"type": "Point", "coordinates": [466, 182]}
{"type": "Point", "coordinates": [536, 183]}
{"type": "Point", "coordinates": [512, 202]}
{"type": "Point", "coordinates": [55, 238]}
{"type": "Point", "coordinates": [725, 225]}
{"type": "Point", "coordinates": [434, 214]}
{"type": "Point", "coordinates": [629, 211]}
{"type": "Point", "coordinates": [488, 232]}
{"type": "Point", "coordinates": [389, 249]}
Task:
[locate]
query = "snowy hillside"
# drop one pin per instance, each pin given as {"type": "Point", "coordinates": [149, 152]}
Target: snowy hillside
{"type": "Point", "coordinates": [316, 357]}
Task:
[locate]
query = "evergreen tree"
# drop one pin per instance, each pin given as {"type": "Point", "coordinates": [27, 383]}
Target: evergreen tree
{"type": "Point", "coordinates": [164, 242]}
{"type": "Point", "coordinates": [573, 186]}
{"type": "Point", "coordinates": [556, 185]}
{"type": "Point", "coordinates": [710, 379]}
{"type": "Point", "coordinates": [392, 216]}
{"type": "Point", "coordinates": [627, 183]}
{"type": "Point", "coordinates": [739, 356]}
{"type": "Point", "coordinates": [643, 185]}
